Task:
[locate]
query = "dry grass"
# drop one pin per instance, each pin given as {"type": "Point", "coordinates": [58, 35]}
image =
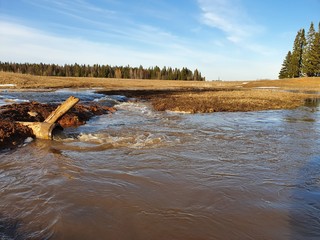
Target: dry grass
{"type": "Point", "coordinates": [29, 81]}
{"type": "Point", "coordinates": [302, 84]}
{"type": "Point", "coordinates": [186, 96]}
{"type": "Point", "coordinates": [229, 101]}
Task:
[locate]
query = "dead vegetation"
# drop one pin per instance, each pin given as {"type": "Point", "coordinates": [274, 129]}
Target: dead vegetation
{"type": "Point", "coordinates": [216, 100]}
{"type": "Point", "coordinates": [299, 84]}
{"type": "Point", "coordinates": [187, 96]}
{"type": "Point", "coordinates": [229, 101]}
{"type": "Point", "coordinates": [25, 81]}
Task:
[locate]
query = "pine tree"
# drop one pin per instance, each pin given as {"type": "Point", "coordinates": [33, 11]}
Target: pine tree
{"type": "Point", "coordinates": [296, 56]}
{"type": "Point", "coordinates": [285, 69]}
{"type": "Point", "coordinates": [317, 47]}
{"type": "Point", "coordinates": [311, 53]}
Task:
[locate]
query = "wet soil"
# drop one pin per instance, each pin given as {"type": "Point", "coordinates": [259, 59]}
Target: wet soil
{"type": "Point", "coordinates": [13, 134]}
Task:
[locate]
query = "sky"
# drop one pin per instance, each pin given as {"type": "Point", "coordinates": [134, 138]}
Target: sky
{"type": "Point", "coordinates": [223, 39]}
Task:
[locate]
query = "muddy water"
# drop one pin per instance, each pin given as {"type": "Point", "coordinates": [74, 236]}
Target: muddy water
{"type": "Point", "coordinates": [140, 174]}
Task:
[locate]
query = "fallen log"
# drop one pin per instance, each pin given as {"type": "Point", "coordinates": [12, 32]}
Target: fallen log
{"type": "Point", "coordinates": [43, 130]}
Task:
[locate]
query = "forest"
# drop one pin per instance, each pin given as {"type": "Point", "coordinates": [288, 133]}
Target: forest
{"type": "Point", "coordinates": [102, 71]}
{"type": "Point", "coordinates": [304, 59]}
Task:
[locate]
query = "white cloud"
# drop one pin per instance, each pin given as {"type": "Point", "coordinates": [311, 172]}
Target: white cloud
{"type": "Point", "coordinates": [24, 44]}
{"type": "Point", "coordinates": [19, 43]}
{"type": "Point", "coordinates": [230, 17]}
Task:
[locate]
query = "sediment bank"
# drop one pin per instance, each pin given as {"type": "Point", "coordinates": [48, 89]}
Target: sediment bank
{"type": "Point", "coordinates": [13, 134]}
{"type": "Point", "coordinates": [216, 100]}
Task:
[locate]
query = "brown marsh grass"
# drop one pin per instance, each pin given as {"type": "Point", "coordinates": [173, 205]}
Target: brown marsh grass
{"type": "Point", "coordinates": [42, 82]}
{"type": "Point", "coordinates": [229, 101]}
{"type": "Point", "coordinates": [186, 96]}
{"type": "Point", "coordinates": [301, 84]}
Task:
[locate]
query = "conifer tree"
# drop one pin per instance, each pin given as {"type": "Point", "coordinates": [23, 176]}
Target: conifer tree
{"type": "Point", "coordinates": [101, 71]}
{"type": "Point", "coordinates": [297, 52]}
{"type": "Point", "coordinates": [311, 58]}
{"type": "Point", "coordinates": [285, 69]}
{"type": "Point", "coordinates": [317, 47]}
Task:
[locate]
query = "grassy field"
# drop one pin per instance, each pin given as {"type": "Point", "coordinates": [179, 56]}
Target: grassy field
{"type": "Point", "coordinates": [302, 84]}
{"type": "Point", "coordinates": [29, 81]}
{"type": "Point", "coordinates": [187, 96]}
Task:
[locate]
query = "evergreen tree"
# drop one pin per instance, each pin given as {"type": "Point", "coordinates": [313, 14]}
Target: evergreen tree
{"type": "Point", "coordinates": [285, 70]}
{"type": "Point", "coordinates": [317, 46]}
{"type": "Point", "coordinates": [311, 58]}
{"type": "Point", "coordinates": [102, 71]}
{"type": "Point", "coordinates": [295, 68]}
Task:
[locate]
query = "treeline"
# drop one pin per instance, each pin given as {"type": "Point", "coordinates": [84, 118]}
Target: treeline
{"type": "Point", "coordinates": [102, 71]}
{"type": "Point", "coordinates": [304, 59]}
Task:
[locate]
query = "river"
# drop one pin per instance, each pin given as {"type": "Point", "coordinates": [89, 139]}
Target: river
{"type": "Point", "coordinates": [142, 174]}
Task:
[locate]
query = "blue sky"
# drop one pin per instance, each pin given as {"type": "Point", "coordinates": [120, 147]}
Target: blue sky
{"type": "Point", "coordinates": [224, 39]}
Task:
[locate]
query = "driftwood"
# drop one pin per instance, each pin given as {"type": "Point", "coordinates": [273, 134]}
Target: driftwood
{"type": "Point", "coordinates": [44, 129]}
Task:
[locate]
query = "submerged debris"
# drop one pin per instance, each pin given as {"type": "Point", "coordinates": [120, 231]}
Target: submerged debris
{"type": "Point", "coordinates": [13, 134]}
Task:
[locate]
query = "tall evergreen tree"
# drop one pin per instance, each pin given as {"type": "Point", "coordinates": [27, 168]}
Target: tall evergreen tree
{"type": "Point", "coordinates": [285, 69]}
{"type": "Point", "coordinates": [311, 53]}
{"type": "Point", "coordinates": [297, 52]}
{"type": "Point", "coordinates": [317, 47]}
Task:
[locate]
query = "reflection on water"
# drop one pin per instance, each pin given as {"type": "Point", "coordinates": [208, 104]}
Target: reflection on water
{"type": "Point", "coordinates": [140, 174]}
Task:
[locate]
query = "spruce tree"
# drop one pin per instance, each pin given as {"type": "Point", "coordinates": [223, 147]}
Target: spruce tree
{"type": "Point", "coordinates": [317, 47]}
{"type": "Point", "coordinates": [297, 52]}
{"type": "Point", "coordinates": [311, 53]}
{"type": "Point", "coordinates": [285, 69]}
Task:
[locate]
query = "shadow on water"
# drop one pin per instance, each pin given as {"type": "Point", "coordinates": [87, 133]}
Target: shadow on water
{"type": "Point", "coordinates": [11, 229]}
{"type": "Point", "coordinates": [305, 208]}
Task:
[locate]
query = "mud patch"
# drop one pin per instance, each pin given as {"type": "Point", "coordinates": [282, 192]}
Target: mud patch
{"type": "Point", "coordinates": [13, 134]}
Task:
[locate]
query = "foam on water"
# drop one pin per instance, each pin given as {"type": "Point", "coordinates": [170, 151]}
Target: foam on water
{"type": "Point", "coordinates": [138, 140]}
{"type": "Point", "coordinates": [134, 125]}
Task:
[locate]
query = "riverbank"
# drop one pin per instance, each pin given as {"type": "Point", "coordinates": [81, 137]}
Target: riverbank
{"type": "Point", "coordinates": [187, 96]}
{"type": "Point", "coordinates": [13, 134]}
{"type": "Point", "coordinates": [25, 81]}
{"type": "Point", "coordinates": [217, 100]}
{"type": "Point", "coordinates": [181, 96]}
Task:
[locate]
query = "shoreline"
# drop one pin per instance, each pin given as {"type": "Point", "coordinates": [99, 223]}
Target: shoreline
{"type": "Point", "coordinates": [176, 96]}
{"type": "Point", "coordinates": [217, 100]}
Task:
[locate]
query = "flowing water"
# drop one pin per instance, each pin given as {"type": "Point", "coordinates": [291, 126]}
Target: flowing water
{"type": "Point", "coordinates": [141, 174]}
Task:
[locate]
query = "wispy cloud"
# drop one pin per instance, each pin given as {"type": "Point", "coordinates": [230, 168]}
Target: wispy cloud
{"type": "Point", "coordinates": [231, 17]}
{"type": "Point", "coordinates": [26, 44]}
{"type": "Point", "coordinates": [75, 6]}
{"type": "Point", "coordinates": [101, 24]}
{"type": "Point", "coordinates": [228, 16]}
